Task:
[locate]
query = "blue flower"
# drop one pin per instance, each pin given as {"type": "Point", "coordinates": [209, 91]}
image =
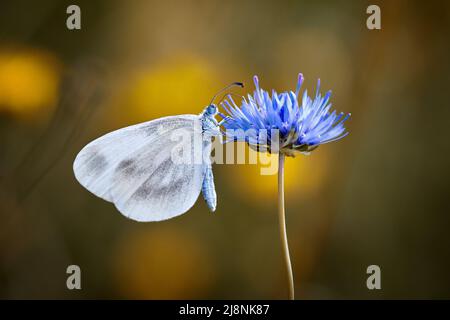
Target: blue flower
{"type": "Point", "coordinates": [278, 123]}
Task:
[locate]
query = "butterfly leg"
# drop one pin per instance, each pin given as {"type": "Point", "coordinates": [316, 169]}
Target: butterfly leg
{"type": "Point", "coordinates": [208, 189]}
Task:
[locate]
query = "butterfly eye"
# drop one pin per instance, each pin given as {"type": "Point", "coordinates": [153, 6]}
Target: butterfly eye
{"type": "Point", "coordinates": [212, 109]}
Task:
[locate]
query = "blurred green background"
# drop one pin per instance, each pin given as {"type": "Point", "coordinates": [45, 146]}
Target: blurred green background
{"type": "Point", "coordinates": [379, 196]}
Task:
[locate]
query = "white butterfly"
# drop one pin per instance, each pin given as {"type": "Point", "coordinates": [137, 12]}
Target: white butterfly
{"type": "Point", "coordinates": [134, 167]}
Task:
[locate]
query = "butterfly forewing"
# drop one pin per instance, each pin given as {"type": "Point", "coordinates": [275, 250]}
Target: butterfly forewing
{"type": "Point", "coordinates": [133, 168]}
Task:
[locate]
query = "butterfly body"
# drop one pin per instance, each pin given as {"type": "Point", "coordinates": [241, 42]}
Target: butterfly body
{"type": "Point", "coordinates": [210, 128]}
{"type": "Point", "coordinates": [208, 189]}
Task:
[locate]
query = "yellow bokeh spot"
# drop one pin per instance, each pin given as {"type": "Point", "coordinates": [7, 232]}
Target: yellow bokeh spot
{"type": "Point", "coordinates": [29, 83]}
{"type": "Point", "coordinates": [303, 175]}
{"type": "Point", "coordinates": [175, 86]}
{"type": "Point", "coordinates": [162, 263]}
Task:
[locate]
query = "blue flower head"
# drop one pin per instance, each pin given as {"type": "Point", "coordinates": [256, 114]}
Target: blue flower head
{"type": "Point", "coordinates": [278, 123]}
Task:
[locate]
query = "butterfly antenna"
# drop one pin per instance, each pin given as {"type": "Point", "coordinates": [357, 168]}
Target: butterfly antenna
{"type": "Point", "coordinates": [240, 84]}
{"type": "Point", "coordinates": [226, 96]}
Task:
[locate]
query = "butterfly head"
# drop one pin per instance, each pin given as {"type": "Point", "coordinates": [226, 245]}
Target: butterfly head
{"type": "Point", "coordinates": [211, 110]}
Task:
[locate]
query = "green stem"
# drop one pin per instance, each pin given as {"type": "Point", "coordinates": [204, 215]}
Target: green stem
{"type": "Point", "coordinates": [282, 225]}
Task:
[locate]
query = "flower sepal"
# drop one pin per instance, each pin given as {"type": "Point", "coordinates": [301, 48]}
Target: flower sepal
{"type": "Point", "coordinates": [295, 150]}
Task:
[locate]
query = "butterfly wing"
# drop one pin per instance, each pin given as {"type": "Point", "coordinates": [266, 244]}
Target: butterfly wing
{"type": "Point", "coordinates": [133, 168]}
